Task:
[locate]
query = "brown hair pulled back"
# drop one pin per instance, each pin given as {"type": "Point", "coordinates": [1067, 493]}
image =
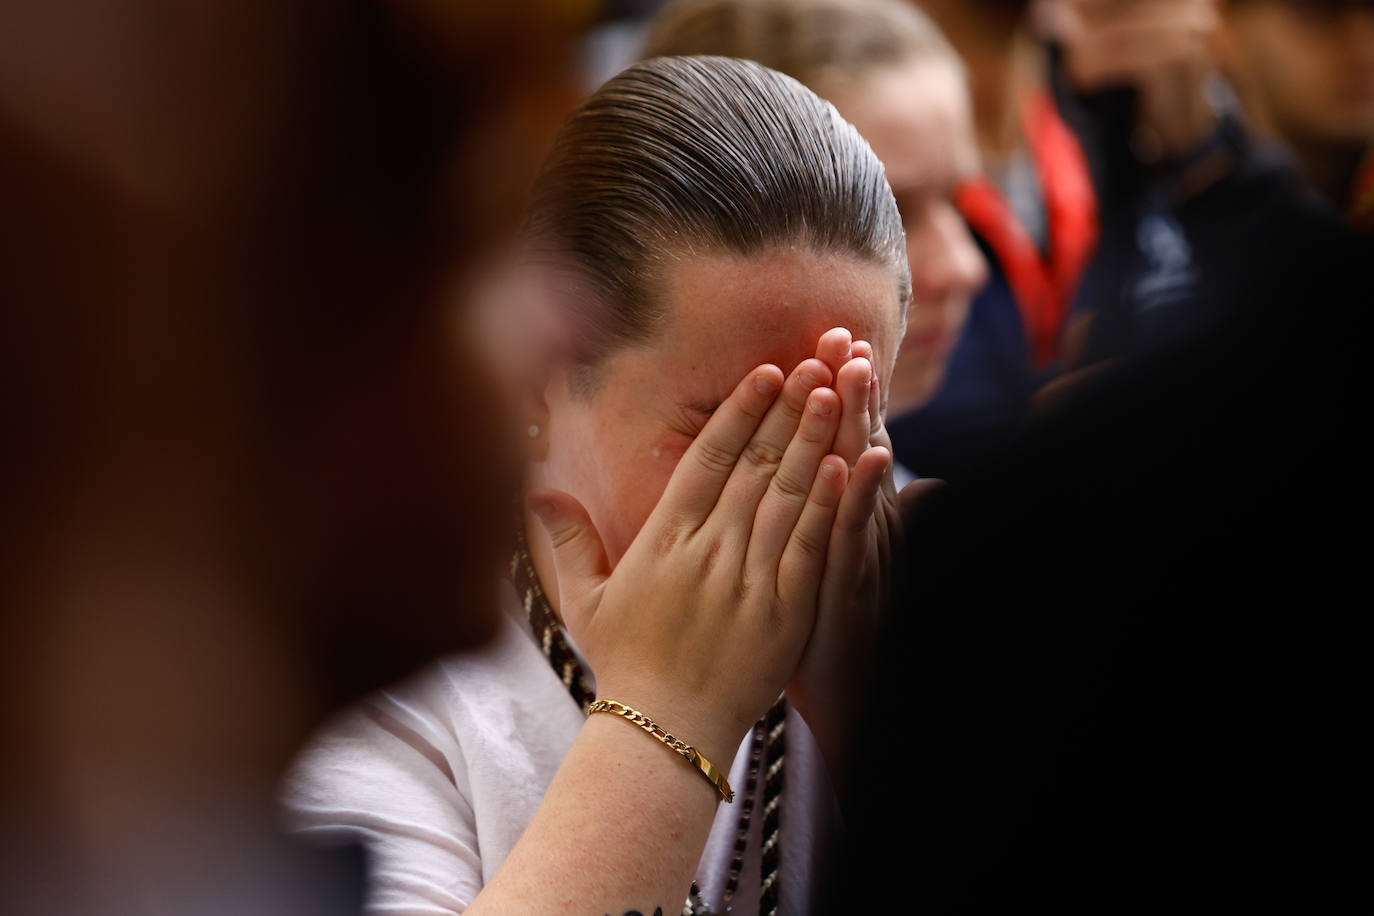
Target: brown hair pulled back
{"type": "Point", "coordinates": [685, 155]}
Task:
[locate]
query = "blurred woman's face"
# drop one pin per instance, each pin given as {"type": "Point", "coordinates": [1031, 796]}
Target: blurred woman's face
{"type": "Point", "coordinates": [615, 449]}
{"type": "Point", "coordinates": [918, 118]}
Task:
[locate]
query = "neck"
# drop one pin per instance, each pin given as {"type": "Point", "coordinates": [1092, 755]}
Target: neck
{"type": "Point", "coordinates": [1004, 63]}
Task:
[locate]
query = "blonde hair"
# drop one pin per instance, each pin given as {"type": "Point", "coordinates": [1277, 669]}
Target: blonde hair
{"type": "Point", "coordinates": [709, 154]}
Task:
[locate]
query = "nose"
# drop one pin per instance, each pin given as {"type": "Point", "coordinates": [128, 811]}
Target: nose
{"type": "Point", "coordinates": [945, 261]}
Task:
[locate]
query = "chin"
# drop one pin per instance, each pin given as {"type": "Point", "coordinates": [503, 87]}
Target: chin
{"type": "Point", "coordinates": [914, 390]}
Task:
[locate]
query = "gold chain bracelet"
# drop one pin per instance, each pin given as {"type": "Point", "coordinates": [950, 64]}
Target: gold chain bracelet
{"type": "Point", "coordinates": [692, 755]}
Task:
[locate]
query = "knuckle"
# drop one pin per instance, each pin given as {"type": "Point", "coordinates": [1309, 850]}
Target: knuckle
{"type": "Point", "coordinates": [778, 618]}
{"type": "Point", "coordinates": [712, 551]}
{"type": "Point", "coordinates": [856, 523]}
{"type": "Point", "coordinates": [741, 588]}
{"type": "Point", "coordinates": [787, 486]}
{"type": "Point", "coordinates": [712, 457]}
{"type": "Point", "coordinates": [818, 432]}
{"type": "Point", "coordinates": [808, 544]}
{"type": "Point", "coordinates": [762, 455]}
{"type": "Point", "coordinates": [666, 540]}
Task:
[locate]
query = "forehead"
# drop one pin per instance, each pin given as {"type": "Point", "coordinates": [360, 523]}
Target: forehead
{"type": "Point", "coordinates": [918, 118]}
{"type": "Point", "coordinates": [731, 313]}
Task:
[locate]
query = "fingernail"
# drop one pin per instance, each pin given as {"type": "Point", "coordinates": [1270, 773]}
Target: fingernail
{"type": "Point", "coordinates": [808, 381]}
{"type": "Point", "coordinates": [829, 470]}
{"type": "Point", "coordinates": [765, 384]}
{"type": "Point", "coordinates": [820, 408]}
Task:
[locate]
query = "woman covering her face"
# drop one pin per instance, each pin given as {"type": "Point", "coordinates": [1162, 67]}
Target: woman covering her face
{"type": "Point", "coordinates": [710, 513]}
{"type": "Point", "coordinates": [890, 72]}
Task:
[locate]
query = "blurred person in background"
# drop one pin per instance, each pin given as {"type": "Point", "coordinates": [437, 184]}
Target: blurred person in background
{"type": "Point", "coordinates": [1127, 208]}
{"type": "Point", "coordinates": [1199, 217]}
{"type": "Point", "coordinates": [1304, 72]}
{"type": "Point", "coordinates": [1147, 706]}
{"type": "Point", "coordinates": [889, 72]}
{"type": "Point", "coordinates": [1034, 212]}
{"type": "Point", "coordinates": [252, 414]}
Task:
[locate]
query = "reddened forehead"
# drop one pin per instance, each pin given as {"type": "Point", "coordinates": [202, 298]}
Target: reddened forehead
{"type": "Point", "coordinates": [728, 313]}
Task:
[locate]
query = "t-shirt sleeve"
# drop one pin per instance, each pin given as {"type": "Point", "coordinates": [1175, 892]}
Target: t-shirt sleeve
{"type": "Point", "coordinates": [378, 776]}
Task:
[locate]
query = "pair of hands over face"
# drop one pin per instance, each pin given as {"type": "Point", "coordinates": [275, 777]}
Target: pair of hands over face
{"type": "Point", "coordinates": [763, 566]}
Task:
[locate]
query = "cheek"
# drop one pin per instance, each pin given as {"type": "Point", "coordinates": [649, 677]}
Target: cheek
{"type": "Point", "coordinates": [634, 478]}
{"type": "Point", "coordinates": [926, 254]}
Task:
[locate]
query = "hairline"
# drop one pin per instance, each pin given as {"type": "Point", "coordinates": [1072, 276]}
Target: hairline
{"type": "Point", "coordinates": [586, 377]}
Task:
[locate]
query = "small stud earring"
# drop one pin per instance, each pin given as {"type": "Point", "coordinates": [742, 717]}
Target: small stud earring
{"type": "Point", "coordinates": [533, 431]}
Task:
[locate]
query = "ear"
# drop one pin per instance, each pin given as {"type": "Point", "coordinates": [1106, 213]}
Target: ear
{"type": "Point", "coordinates": [536, 415]}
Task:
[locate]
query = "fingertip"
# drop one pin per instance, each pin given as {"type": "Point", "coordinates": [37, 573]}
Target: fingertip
{"type": "Point", "coordinates": [870, 470]}
{"type": "Point", "coordinates": [837, 341]}
{"type": "Point", "coordinates": [832, 481]}
{"type": "Point", "coordinates": [822, 402]}
{"type": "Point", "coordinates": [768, 380]}
{"type": "Point", "coordinates": [813, 373]}
{"type": "Point", "coordinates": [879, 458]}
{"type": "Point", "coordinates": [859, 372]}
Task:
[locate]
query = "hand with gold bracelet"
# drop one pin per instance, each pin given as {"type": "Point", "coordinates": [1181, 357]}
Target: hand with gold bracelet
{"type": "Point", "coordinates": [698, 627]}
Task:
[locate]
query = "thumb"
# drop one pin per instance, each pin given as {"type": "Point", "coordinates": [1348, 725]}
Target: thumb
{"type": "Point", "coordinates": [578, 554]}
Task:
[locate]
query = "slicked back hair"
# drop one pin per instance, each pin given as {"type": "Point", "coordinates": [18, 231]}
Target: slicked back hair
{"type": "Point", "coordinates": [702, 155]}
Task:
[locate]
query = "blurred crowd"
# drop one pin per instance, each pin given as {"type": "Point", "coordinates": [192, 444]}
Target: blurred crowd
{"type": "Point", "coordinates": [315, 315]}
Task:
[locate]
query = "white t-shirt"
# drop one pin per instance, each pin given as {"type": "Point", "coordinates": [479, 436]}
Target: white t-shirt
{"type": "Point", "coordinates": [438, 777]}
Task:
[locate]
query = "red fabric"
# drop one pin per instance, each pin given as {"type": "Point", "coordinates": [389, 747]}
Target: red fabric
{"type": "Point", "coordinates": [1043, 285]}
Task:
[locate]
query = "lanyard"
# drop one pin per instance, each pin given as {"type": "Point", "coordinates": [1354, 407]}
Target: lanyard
{"type": "Point", "coordinates": [1043, 285]}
